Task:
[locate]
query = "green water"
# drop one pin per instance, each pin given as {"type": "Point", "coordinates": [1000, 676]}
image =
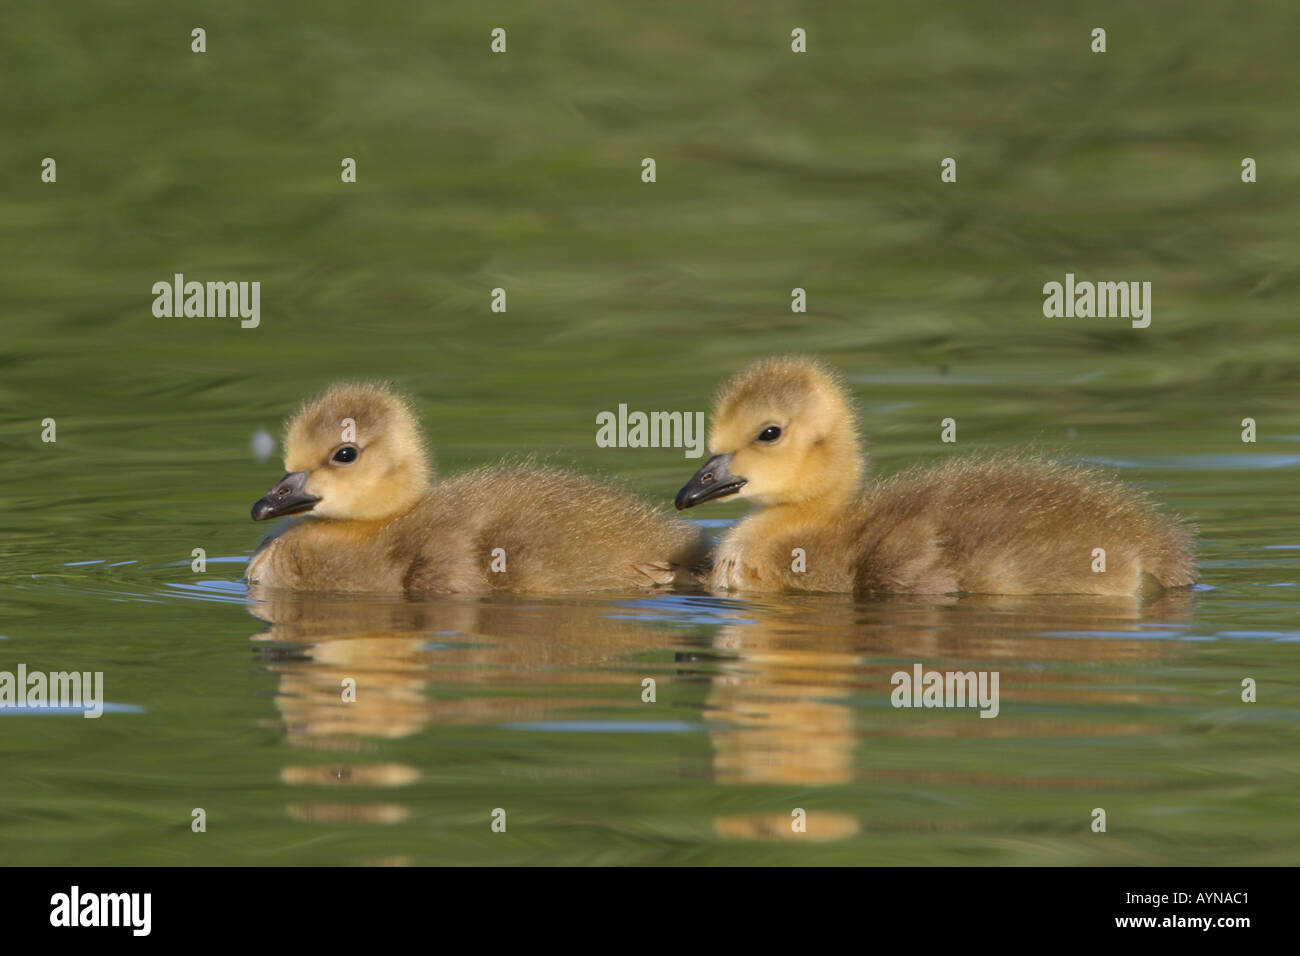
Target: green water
{"type": "Point", "coordinates": [522, 171]}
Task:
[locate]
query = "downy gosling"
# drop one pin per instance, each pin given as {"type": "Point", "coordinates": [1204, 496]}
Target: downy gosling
{"type": "Point", "coordinates": [783, 436]}
{"type": "Point", "coordinates": [376, 520]}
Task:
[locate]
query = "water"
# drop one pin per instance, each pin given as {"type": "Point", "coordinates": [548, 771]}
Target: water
{"type": "Point", "coordinates": [774, 173]}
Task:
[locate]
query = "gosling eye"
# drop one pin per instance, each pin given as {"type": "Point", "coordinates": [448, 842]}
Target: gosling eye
{"type": "Point", "coordinates": [769, 434]}
{"type": "Point", "coordinates": [346, 455]}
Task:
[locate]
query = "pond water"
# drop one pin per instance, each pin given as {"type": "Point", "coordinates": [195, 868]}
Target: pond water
{"type": "Point", "coordinates": [524, 173]}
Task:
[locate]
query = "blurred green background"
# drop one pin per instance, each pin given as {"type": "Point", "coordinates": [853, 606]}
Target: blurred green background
{"type": "Point", "coordinates": [522, 171]}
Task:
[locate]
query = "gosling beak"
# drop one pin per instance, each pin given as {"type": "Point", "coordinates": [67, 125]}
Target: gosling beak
{"type": "Point", "coordinates": [288, 497]}
{"type": "Point", "coordinates": [713, 480]}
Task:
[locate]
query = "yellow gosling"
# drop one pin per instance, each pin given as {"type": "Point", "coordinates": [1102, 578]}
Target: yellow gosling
{"type": "Point", "coordinates": [783, 435]}
{"type": "Point", "coordinates": [375, 519]}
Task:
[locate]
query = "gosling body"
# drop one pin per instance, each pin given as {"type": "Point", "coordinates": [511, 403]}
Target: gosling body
{"type": "Point", "coordinates": [784, 436]}
{"type": "Point", "coordinates": [378, 522]}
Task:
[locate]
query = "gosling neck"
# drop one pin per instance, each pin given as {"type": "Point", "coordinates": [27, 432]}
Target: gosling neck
{"type": "Point", "coordinates": [824, 499]}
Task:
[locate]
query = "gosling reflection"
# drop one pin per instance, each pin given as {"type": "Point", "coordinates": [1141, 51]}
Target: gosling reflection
{"type": "Point", "coordinates": [798, 688]}
{"type": "Point", "coordinates": [801, 683]}
{"type": "Point", "coordinates": [780, 708]}
{"type": "Point", "coordinates": [398, 651]}
{"type": "Point", "coordinates": [354, 672]}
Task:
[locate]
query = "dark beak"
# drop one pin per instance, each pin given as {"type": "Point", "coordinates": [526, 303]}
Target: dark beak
{"type": "Point", "coordinates": [713, 480]}
{"type": "Point", "coordinates": [288, 497]}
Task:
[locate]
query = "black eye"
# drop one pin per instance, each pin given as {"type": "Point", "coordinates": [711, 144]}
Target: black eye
{"type": "Point", "coordinates": [346, 455]}
{"type": "Point", "coordinates": [770, 433]}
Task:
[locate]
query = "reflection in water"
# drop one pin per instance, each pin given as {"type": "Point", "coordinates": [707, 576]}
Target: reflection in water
{"type": "Point", "coordinates": [780, 701]}
{"type": "Point", "coordinates": [797, 689]}
{"type": "Point", "coordinates": [416, 664]}
{"type": "Point", "coordinates": [785, 692]}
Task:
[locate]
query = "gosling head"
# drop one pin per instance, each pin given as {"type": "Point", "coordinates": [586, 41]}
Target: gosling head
{"type": "Point", "coordinates": [782, 432]}
{"type": "Point", "coordinates": [353, 452]}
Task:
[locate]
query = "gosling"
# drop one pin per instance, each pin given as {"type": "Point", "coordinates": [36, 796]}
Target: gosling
{"type": "Point", "coordinates": [784, 437]}
{"type": "Point", "coordinates": [375, 519]}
